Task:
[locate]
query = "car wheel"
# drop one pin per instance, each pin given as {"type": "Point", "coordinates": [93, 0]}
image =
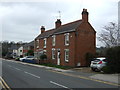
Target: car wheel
{"type": "Point", "coordinates": [23, 60]}
{"type": "Point", "coordinates": [93, 69]}
{"type": "Point", "coordinates": [97, 70]}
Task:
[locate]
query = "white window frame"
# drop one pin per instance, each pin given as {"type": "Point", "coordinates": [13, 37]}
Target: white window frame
{"type": "Point", "coordinates": [67, 56]}
{"type": "Point", "coordinates": [37, 42]}
{"type": "Point", "coordinates": [53, 40]}
{"type": "Point", "coordinates": [53, 53]}
{"type": "Point", "coordinates": [67, 38]}
{"type": "Point", "coordinates": [44, 51]}
{"type": "Point", "coordinates": [45, 42]}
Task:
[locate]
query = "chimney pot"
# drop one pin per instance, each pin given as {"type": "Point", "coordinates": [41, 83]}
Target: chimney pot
{"type": "Point", "coordinates": [85, 15]}
{"type": "Point", "coordinates": [42, 29]}
{"type": "Point", "coordinates": [58, 23]}
{"type": "Point", "coordinates": [84, 9]}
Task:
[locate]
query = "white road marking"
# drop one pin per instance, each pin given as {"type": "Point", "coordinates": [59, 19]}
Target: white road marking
{"type": "Point", "coordinates": [58, 84]}
{"type": "Point", "coordinates": [14, 67]}
{"type": "Point", "coordinates": [17, 68]}
{"type": "Point", "coordinates": [32, 74]}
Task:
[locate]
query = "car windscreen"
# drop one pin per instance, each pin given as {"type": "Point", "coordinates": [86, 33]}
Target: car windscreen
{"type": "Point", "coordinates": [30, 57]}
{"type": "Point", "coordinates": [104, 60]}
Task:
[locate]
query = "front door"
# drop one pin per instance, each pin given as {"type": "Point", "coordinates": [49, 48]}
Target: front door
{"type": "Point", "coordinates": [58, 57]}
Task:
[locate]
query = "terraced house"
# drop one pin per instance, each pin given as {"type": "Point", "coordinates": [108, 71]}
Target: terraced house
{"type": "Point", "coordinates": [67, 44]}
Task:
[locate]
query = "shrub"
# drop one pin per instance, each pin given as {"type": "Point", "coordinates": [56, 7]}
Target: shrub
{"type": "Point", "coordinates": [43, 56]}
{"type": "Point", "coordinates": [113, 60]}
{"type": "Point", "coordinates": [56, 66]}
{"type": "Point", "coordinates": [30, 52]}
{"type": "Point", "coordinates": [107, 69]}
{"type": "Point", "coordinates": [89, 57]}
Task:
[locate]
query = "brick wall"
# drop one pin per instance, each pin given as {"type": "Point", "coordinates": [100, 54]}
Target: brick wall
{"type": "Point", "coordinates": [79, 45]}
{"type": "Point", "coordinates": [85, 42]}
{"type": "Point", "coordinates": [60, 44]}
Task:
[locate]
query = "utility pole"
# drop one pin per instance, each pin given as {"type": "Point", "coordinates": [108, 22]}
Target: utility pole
{"type": "Point", "coordinates": [119, 23]}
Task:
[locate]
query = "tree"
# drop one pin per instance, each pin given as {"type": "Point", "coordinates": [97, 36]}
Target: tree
{"type": "Point", "coordinates": [30, 52]}
{"type": "Point", "coordinates": [113, 60]}
{"type": "Point", "coordinates": [101, 52]}
{"type": "Point", "coordinates": [110, 35]}
{"type": "Point", "coordinates": [5, 46]}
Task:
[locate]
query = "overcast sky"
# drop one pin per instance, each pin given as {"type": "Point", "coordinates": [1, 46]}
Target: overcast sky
{"type": "Point", "coordinates": [21, 21]}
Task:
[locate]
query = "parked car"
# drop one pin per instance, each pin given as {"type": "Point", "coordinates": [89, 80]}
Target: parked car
{"type": "Point", "coordinates": [27, 58]}
{"type": "Point", "coordinates": [98, 63]}
{"type": "Point", "coordinates": [30, 61]}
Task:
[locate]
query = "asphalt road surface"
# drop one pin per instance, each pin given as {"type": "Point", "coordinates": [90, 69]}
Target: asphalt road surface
{"type": "Point", "coordinates": [18, 75]}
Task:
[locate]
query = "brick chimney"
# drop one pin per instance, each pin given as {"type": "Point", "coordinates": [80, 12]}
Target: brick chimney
{"type": "Point", "coordinates": [58, 23]}
{"type": "Point", "coordinates": [85, 15]}
{"type": "Point", "coordinates": [42, 29]}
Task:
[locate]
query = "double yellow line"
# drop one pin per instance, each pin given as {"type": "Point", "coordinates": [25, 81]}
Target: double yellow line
{"type": "Point", "coordinates": [4, 84]}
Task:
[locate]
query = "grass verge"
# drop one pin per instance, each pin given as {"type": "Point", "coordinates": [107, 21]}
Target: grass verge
{"type": "Point", "coordinates": [56, 66]}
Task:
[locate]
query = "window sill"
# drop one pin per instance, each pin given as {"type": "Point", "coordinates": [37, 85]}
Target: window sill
{"type": "Point", "coordinates": [44, 47]}
{"type": "Point", "coordinates": [53, 45]}
{"type": "Point", "coordinates": [37, 47]}
{"type": "Point", "coordinates": [67, 61]}
{"type": "Point", "coordinates": [66, 44]}
{"type": "Point", "coordinates": [53, 58]}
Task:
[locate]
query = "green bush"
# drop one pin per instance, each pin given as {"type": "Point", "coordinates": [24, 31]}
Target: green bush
{"type": "Point", "coordinates": [43, 57]}
{"type": "Point", "coordinates": [30, 53]}
{"type": "Point", "coordinates": [113, 60]}
{"type": "Point", "coordinates": [107, 69]}
{"type": "Point", "coordinates": [56, 66]}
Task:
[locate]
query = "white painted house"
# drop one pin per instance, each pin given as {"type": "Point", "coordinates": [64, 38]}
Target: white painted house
{"type": "Point", "coordinates": [20, 51]}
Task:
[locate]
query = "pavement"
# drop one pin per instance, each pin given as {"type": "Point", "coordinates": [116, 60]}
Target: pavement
{"type": "Point", "coordinates": [83, 72]}
{"type": "Point", "coordinates": [113, 78]}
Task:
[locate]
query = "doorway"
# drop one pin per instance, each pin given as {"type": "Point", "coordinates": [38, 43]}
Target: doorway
{"type": "Point", "coordinates": [58, 57]}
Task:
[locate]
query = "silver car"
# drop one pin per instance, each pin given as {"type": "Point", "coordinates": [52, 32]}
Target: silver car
{"type": "Point", "coordinates": [98, 63]}
{"type": "Point", "coordinates": [27, 58]}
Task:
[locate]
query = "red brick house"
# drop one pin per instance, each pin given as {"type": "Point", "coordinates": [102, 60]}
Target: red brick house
{"type": "Point", "coordinates": [27, 47]}
{"type": "Point", "coordinates": [67, 44]}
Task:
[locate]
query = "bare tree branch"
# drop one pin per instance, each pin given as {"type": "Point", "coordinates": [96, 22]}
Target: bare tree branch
{"type": "Point", "coordinates": [110, 35]}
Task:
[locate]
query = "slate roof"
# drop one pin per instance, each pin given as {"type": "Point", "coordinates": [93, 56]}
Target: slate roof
{"type": "Point", "coordinates": [29, 44]}
{"type": "Point", "coordinates": [46, 33]}
{"type": "Point", "coordinates": [69, 27]}
{"type": "Point", "coordinates": [14, 47]}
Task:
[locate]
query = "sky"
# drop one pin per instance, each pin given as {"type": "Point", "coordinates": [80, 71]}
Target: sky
{"type": "Point", "coordinates": [21, 20]}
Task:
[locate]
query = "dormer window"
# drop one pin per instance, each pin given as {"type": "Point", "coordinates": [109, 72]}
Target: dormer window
{"type": "Point", "coordinates": [53, 40]}
{"type": "Point", "coordinates": [45, 42]}
{"type": "Point", "coordinates": [67, 39]}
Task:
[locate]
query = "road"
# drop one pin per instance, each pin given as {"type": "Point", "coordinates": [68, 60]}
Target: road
{"type": "Point", "coordinates": [17, 75]}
